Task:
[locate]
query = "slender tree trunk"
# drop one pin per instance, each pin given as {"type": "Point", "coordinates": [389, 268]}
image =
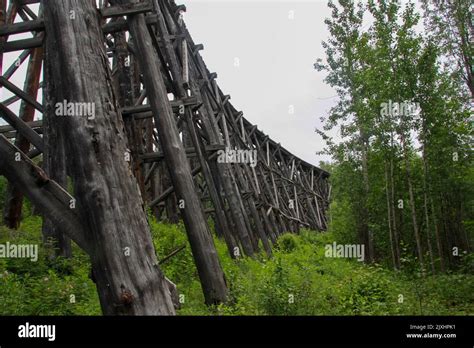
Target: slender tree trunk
{"type": "Point", "coordinates": [413, 207]}
{"type": "Point", "coordinates": [425, 203]}
{"type": "Point", "coordinates": [463, 229]}
{"type": "Point", "coordinates": [396, 235]}
{"type": "Point", "coordinates": [439, 243]}
{"type": "Point", "coordinates": [444, 211]}
{"type": "Point", "coordinates": [367, 233]}
{"type": "Point", "coordinates": [389, 219]}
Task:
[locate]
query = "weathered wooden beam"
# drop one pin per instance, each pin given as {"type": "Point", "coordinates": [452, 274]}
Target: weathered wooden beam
{"type": "Point", "coordinates": [125, 267]}
{"type": "Point", "coordinates": [3, 14]}
{"type": "Point", "coordinates": [19, 92]}
{"type": "Point", "coordinates": [36, 125]}
{"type": "Point", "coordinates": [170, 255]}
{"type": "Point", "coordinates": [227, 178]}
{"type": "Point", "coordinates": [22, 27]}
{"type": "Point", "coordinates": [14, 197]}
{"type": "Point", "coordinates": [195, 70]}
{"type": "Point", "coordinates": [6, 17]}
{"type": "Point", "coordinates": [28, 11]}
{"type": "Point", "coordinates": [190, 151]}
{"type": "Point", "coordinates": [122, 25]}
{"type": "Point", "coordinates": [21, 127]}
{"type": "Point", "coordinates": [168, 191]}
{"type": "Point", "coordinates": [175, 105]}
{"type": "Point", "coordinates": [202, 245]}
{"type": "Point", "coordinates": [14, 67]}
{"type": "Point", "coordinates": [27, 2]}
{"type": "Point", "coordinates": [50, 198]}
{"type": "Point", "coordinates": [277, 168]}
{"type": "Point", "coordinates": [126, 9]}
{"type": "Point", "coordinates": [23, 44]}
{"type": "Point", "coordinates": [197, 48]}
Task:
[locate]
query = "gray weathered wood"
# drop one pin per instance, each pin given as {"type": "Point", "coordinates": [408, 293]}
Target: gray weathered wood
{"type": "Point", "coordinates": [202, 245]}
{"type": "Point", "coordinates": [125, 267]}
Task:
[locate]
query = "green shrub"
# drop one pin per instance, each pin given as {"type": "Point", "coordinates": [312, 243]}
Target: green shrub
{"type": "Point", "coordinates": [297, 280]}
{"type": "Point", "coordinates": [287, 243]}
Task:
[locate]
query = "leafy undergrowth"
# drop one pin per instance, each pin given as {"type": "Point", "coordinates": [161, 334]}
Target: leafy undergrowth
{"type": "Point", "coordinates": [297, 280]}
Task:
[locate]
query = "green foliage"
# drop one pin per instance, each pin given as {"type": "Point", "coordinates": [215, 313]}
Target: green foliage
{"type": "Point", "coordinates": [420, 158]}
{"type": "Point", "coordinates": [297, 280]}
{"type": "Point", "coordinates": [44, 287]}
{"type": "Point", "coordinates": [287, 243]}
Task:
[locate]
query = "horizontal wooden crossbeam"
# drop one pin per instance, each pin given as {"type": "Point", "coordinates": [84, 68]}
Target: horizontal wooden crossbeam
{"type": "Point", "coordinates": [126, 10]}
{"type": "Point", "coordinates": [19, 45]}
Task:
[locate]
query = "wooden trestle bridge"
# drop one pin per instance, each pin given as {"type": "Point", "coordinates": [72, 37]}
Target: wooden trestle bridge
{"type": "Point", "coordinates": [157, 126]}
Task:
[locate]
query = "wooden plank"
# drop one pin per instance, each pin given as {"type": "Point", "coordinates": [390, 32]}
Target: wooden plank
{"type": "Point", "coordinates": [19, 92]}
{"type": "Point", "coordinates": [190, 151]}
{"type": "Point", "coordinates": [175, 105]}
{"type": "Point", "coordinates": [198, 48]}
{"type": "Point", "coordinates": [36, 125]}
{"type": "Point", "coordinates": [14, 67]}
{"type": "Point", "coordinates": [3, 14]}
{"type": "Point", "coordinates": [28, 11]}
{"type": "Point", "coordinates": [185, 61]}
{"type": "Point", "coordinates": [122, 25]}
{"type": "Point", "coordinates": [21, 127]}
{"type": "Point", "coordinates": [22, 27]}
{"type": "Point", "coordinates": [50, 198]}
{"type": "Point", "coordinates": [126, 9]}
{"type": "Point", "coordinates": [27, 2]}
{"type": "Point", "coordinates": [23, 44]}
{"type": "Point", "coordinates": [14, 197]}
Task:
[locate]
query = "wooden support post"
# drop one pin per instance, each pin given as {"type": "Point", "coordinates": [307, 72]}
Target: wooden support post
{"type": "Point", "coordinates": [221, 172]}
{"type": "Point", "coordinates": [185, 61]}
{"type": "Point", "coordinates": [181, 82]}
{"type": "Point", "coordinates": [49, 197]}
{"type": "Point", "coordinates": [124, 86]}
{"type": "Point", "coordinates": [125, 267]}
{"type": "Point", "coordinates": [202, 245]}
{"type": "Point", "coordinates": [54, 164]}
{"type": "Point", "coordinates": [14, 197]}
{"type": "Point", "coordinates": [3, 15]}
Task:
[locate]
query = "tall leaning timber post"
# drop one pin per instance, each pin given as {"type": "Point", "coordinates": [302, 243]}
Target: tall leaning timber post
{"type": "Point", "coordinates": [125, 267]}
{"type": "Point", "coordinates": [200, 238]}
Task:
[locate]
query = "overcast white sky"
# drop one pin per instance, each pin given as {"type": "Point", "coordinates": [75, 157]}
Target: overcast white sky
{"type": "Point", "coordinates": [276, 44]}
